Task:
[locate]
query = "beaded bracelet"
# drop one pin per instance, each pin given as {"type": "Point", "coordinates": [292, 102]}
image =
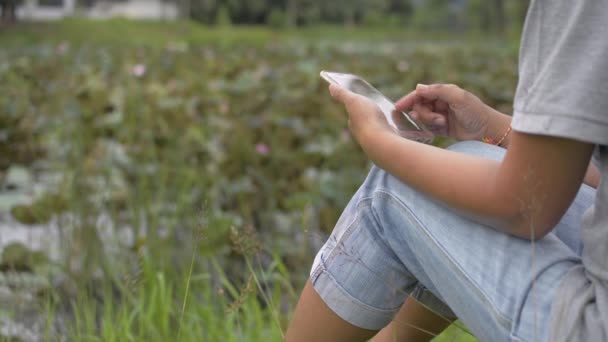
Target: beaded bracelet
{"type": "Point", "coordinates": [490, 140]}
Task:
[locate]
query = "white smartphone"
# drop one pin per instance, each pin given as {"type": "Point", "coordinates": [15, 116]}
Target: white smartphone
{"type": "Point", "coordinates": [400, 121]}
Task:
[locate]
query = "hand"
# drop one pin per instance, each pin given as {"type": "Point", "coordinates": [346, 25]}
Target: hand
{"type": "Point", "coordinates": [365, 119]}
{"type": "Point", "coordinates": [449, 110]}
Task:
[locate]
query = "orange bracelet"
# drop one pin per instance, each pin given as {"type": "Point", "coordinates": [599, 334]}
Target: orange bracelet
{"type": "Point", "coordinates": [490, 140]}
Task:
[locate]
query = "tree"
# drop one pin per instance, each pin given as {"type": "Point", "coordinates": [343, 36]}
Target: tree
{"type": "Point", "coordinates": [499, 16]}
{"type": "Point", "coordinates": [223, 17]}
{"type": "Point", "coordinates": [9, 11]}
{"type": "Point", "coordinates": [204, 10]}
{"type": "Point", "coordinates": [434, 14]}
{"type": "Point", "coordinates": [494, 15]}
{"type": "Point", "coordinates": [400, 10]}
{"type": "Point", "coordinates": [351, 12]}
{"type": "Point", "coordinates": [521, 11]}
{"type": "Point", "coordinates": [291, 11]}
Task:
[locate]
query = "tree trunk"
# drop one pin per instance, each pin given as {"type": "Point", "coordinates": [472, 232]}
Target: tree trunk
{"type": "Point", "coordinates": [523, 10]}
{"type": "Point", "coordinates": [9, 12]}
{"type": "Point", "coordinates": [499, 15]}
{"type": "Point", "coordinates": [349, 17]}
{"type": "Point", "coordinates": [292, 13]}
{"type": "Point", "coordinates": [486, 16]}
{"type": "Point", "coordinates": [186, 9]}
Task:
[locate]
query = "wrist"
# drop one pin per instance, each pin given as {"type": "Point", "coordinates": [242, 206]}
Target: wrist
{"type": "Point", "coordinates": [369, 136]}
{"type": "Point", "coordinates": [498, 129]}
{"type": "Point", "coordinates": [372, 141]}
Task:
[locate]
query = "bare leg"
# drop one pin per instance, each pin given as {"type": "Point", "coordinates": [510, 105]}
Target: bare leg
{"type": "Point", "coordinates": [313, 320]}
{"type": "Point", "coordinates": [413, 322]}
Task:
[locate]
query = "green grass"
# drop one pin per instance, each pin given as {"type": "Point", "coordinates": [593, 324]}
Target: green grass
{"type": "Point", "coordinates": [125, 32]}
{"type": "Point", "coordinates": [156, 309]}
{"type": "Point", "coordinates": [159, 33]}
{"type": "Point", "coordinates": [222, 231]}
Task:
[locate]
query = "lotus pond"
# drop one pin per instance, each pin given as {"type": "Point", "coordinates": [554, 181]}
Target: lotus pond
{"type": "Point", "coordinates": [160, 183]}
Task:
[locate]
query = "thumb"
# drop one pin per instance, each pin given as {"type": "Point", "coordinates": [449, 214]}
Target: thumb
{"type": "Point", "coordinates": [339, 93]}
{"type": "Point", "coordinates": [449, 93]}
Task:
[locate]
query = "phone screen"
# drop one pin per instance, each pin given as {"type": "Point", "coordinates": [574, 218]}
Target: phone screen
{"type": "Point", "coordinates": [400, 121]}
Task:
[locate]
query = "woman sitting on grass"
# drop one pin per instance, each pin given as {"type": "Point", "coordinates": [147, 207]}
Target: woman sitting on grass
{"type": "Point", "coordinates": [508, 240]}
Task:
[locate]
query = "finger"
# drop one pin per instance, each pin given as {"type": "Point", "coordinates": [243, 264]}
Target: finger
{"type": "Point", "coordinates": [406, 102]}
{"type": "Point", "coordinates": [448, 93]}
{"type": "Point", "coordinates": [428, 117]}
{"type": "Point", "coordinates": [414, 115]}
{"type": "Point", "coordinates": [441, 107]}
{"type": "Point", "coordinates": [423, 114]}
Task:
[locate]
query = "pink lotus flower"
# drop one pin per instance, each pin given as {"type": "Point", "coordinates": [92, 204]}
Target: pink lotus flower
{"type": "Point", "coordinates": [345, 136]}
{"type": "Point", "coordinates": [403, 66]}
{"type": "Point", "coordinates": [262, 149]}
{"type": "Point", "coordinates": [62, 48]}
{"type": "Point", "coordinates": [172, 85]}
{"type": "Point", "coordinates": [138, 70]}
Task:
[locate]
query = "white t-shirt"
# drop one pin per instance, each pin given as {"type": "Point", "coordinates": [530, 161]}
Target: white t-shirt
{"type": "Point", "coordinates": [563, 91]}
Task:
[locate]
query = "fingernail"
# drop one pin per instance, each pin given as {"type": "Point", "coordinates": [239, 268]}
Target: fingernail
{"type": "Point", "coordinates": [414, 115]}
{"type": "Point", "coordinates": [421, 86]}
{"type": "Point", "coordinates": [438, 121]}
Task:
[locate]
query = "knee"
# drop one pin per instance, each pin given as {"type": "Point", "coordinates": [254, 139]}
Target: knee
{"type": "Point", "coordinates": [381, 184]}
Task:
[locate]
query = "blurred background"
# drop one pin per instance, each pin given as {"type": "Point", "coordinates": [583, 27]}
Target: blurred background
{"type": "Point", "coordinates": [168, 170]}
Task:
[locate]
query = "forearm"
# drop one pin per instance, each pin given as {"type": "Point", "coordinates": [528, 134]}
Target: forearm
{"type": "Point", "coordinates": [462, 182]}
{"type": "Point", "coordinates": [519, 195]}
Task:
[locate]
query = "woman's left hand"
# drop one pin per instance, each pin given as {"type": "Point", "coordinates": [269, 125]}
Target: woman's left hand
{"type": "Point", "coordinates": [365, 119]}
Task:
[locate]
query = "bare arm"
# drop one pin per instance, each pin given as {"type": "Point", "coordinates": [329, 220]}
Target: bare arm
{"type": "Point", "coordinates": [525, 195]}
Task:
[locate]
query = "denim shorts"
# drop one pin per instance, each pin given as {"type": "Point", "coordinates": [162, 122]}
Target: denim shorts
{"type": "Point", "coordinates": [392, 241]}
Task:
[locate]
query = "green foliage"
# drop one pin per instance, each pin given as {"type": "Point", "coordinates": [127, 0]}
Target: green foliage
{"type": "Point", "coordinates": [277, 19]}
{"type": "Point", "coordinates": [220, 149]}
{"type": "Point", "coordinates": [41, 211]}
{"type": "Point", "coordinates": [223, 17]}
{"type": "Point", "coordinates": [431, 14]}
{"type": "Point", "coordinates": [436, 15]}
{"type": "Point", "coordinates": [373, 18]}
{"type": "Point", "coordinates": [17, 257]}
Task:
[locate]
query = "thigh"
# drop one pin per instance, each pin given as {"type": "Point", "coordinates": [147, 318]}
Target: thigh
{"type": "Point", "coordinates": [500, 286]}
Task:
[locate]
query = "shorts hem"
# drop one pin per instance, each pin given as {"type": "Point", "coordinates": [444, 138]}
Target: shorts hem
{"type": "Point", "coordinates": [348, 307]}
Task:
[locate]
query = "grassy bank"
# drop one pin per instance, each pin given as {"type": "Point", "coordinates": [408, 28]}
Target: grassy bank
{"type": "Point", "coordinates": [159, 34]}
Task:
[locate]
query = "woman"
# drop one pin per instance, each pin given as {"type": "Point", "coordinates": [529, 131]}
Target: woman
{"type": "Point", "coordinates": [502, 242]}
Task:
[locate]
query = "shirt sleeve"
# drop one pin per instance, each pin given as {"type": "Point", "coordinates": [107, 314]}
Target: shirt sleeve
{"type": "Point", "coordinates": [563, 71]}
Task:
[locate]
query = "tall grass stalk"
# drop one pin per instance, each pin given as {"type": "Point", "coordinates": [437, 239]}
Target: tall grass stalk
{"type": "Point", "coordinates": [266, 297]}
{"type": "Point", "coordinates": [181, 318]}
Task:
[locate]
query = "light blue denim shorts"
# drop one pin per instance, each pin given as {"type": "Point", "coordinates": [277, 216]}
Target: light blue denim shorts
{"type": "Point", "coordinates": [392, 241]}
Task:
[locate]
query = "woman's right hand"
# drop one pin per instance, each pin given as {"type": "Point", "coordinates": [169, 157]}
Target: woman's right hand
{"type": "Point", "coordinates": [452, 111]}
